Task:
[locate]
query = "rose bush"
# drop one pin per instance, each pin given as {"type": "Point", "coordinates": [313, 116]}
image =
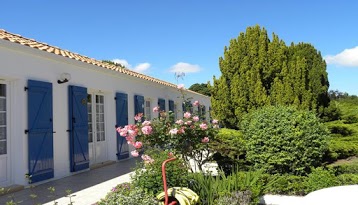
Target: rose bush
{"type": "Point", "coordinates": [187, 137]}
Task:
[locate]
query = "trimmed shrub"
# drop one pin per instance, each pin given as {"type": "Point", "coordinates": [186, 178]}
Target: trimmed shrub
{"type": "Point", "coordinates": [346, 169]}
{"type": "Point", "coordinates": [148, 176]}
{"type": "Point", "coordinates": [320, 178]}
{"type": "Point", "coordinates": [341, 148]}
{"type": "Point", "coordinates": [347, 179]}
{"type": "Point", "coordinates": [342, 129]}
{"type": "Point", "coordinates": [229, 147]}
{"type": "Point", "coordinates": [350, 119]}
{"type": "Point", "coordinates": [284, 140]}
{"type": "Point", "coordinates": [285, 185]}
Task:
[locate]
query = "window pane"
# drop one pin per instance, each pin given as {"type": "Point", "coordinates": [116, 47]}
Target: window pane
{"type": "Point", "coordinates": [3, 118]}
{"type": "Point", "coordinates": [2, 147]}
{"type": "Point", "coordinates": [98, 136]}
{"type": "Point", "coordinates": [103, 136]}
{"type": "Point", "coordinates": [3, 90]}
{"type": "Point", "coordinates": [2, 104]}
{"type": "Point", "coordinates": [90, 137]}
{"type": "Point", "coordinates": [2, 133]}
{"type": "Point", "coordinates": [101, 117]}
{"type": "Point", "coordinates": [101, 99]}
{"type": "Point", "coordinates": [89, 98]}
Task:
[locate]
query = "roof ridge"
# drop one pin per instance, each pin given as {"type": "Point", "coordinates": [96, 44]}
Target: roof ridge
{"type": "Point", "coordinates": [17, 38]}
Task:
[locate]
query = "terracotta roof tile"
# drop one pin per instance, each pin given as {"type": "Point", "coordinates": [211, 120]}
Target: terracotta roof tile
{"type": "Point", "coordinates": [55, 50]}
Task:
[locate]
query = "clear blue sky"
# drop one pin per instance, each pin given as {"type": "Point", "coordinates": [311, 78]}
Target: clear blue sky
{"type": "Point", "coordinates": [161, 36]}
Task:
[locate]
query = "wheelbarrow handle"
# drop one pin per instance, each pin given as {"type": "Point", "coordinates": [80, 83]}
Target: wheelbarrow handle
{"type": "Point", "coordinates": [165, 181]}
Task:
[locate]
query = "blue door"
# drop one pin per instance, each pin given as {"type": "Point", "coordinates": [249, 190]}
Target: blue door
{"type": "Point", "coordinates": [78, 124]}
{"type": "Point", "coordinates": [121, 121]}
{"type": "Point", "coordinates": [139, 105]}
{"type": "Point", "coordinates": [161, 104]}
{"type": "Point", "coordinates": [40, 131]}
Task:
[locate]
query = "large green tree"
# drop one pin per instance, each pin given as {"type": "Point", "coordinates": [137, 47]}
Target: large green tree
{"type": "Point", "coordinates": [201, 88]}
{"type": "Point", "coordinates": [258, 71]}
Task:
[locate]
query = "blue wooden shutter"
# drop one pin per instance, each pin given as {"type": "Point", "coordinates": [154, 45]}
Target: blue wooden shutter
{"type": "Point", "coordinates": [139, 105]}
{"type": "Point", "coordinates": [40, 131]}
{"type": "Point", "coordinates": [121, 121]}
{"type": "Point", "coordinates": [171, 105]}
{"type": "Point", "coordinates": [161, 104]}
{"type": "Point", "coordinates": [78, 123]}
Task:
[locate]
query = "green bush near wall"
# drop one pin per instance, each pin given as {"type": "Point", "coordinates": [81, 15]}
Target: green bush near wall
{"type": "Point", "coordinates": [284, 140]}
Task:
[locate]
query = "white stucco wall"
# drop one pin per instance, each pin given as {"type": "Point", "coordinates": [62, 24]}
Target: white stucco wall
{"type": "Point", "coordinates": [19, 63]}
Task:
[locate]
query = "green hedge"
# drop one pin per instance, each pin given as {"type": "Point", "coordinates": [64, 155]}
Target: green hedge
{"type": "Point", "coordinates": [284, 140]}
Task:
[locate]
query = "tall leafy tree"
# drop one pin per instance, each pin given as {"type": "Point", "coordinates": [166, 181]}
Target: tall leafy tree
{"type": "Point", "coordinates": [257, 71]}
{"type": "Point", "coordinates": [201, 88]}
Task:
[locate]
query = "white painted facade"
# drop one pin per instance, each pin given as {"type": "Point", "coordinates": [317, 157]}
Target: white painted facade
{"type": "Point", "coordinates": [20, 63]}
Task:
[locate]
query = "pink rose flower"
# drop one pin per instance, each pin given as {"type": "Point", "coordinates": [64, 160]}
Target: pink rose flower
{"type": "Point", "coordinates": [205, 140]}
{"type": "Point", "coordinates": [173, 131]}
{"type": "Point", "coordinates": [146, 123]}
{"type": "Point", "coordinates": [138, 145]}
{"type": "Point", "coordinates": [156, 109]}
{"type": "Point", "coordinates": [215, 121]}
{"type": "Point", "coordinates": [181, 86]}
{"type": "Point", "coordinates": [147, 159]}
{"type": "Point", "coordinates": [134, 153]}
{"type": "Point", "coordinates": [182, 130]}
{"type": "Point", "coordinates": [179, 122]}
{"type": "Point", "coordinates": [187, 115]}
{"type": "Point", "coordinates": [203, 126]}
{"type": "Point", "coordinates": [196, 118]}
{"type": "Point", "coordinates": [138, 117]}
{"type": "Point", "coordinates": [188, 122]}
{"type": "Point", "coordinates": [196, 103]}
{"type": "Point", "coordinates": [147, 130]}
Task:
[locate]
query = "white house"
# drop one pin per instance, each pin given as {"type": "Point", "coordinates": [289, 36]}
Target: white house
{"type": "Point", "coordinates": [59, 109]}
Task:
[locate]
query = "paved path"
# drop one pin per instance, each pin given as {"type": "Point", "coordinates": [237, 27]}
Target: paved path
{"type": "Point", "coordinates": [88, 187]}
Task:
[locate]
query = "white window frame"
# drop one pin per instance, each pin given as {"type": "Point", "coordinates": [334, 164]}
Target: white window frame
{"type": "Point", "coordinates": [95, 119]}
{"type": "Point", "coordinates": [8, 111]}
{"type": "Point", "coordinates": [98, 120]}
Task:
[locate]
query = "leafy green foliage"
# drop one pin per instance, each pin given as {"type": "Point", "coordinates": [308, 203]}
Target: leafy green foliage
{"type": "Point", "coordinates": [126, 194]}
{"type": "Point", "coordinates": [201, 88]}
{"type": "Point", "coordinates": [320, 178]}
{"type": "Point", "coordinates": [113, 63]}
{"type": "Point", "coordinates": [148, 176]}
{"type": "Point", "coordinates": [211, 188]}
{"type": "Point", "coordinates": [347, 179]}
{"type": "Point", "coordinates": [346, 169]}
{"type": "Point", "coordinates": [285, 185]}
{"type": "Point", "coordinates": [284, 140]}
{"type": "Point", "coordinates": [341, 148]}
{"type": "Point", "coordinates": [257, 71]}
{"type": "Point", "coordinates": [229, 143]}
{"type": "Point", "coordinates": [341, 129]}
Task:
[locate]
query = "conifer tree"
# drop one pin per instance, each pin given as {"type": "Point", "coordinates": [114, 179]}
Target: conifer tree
{"type": "Point", "coordinates": [257, 71]}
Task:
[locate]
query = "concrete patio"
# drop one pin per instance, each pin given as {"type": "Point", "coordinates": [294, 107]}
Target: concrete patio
{"type": "Point", "coordinates": [87, 187]}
